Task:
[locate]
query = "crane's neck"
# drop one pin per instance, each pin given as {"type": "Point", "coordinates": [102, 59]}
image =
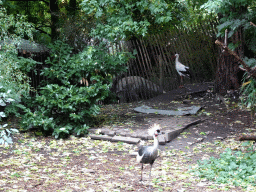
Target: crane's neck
{"type": "Point", "coordinates": [156, 142]}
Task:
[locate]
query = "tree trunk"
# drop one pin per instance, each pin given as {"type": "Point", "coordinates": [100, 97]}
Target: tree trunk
{"type": "Point", "coordinates": [228, 75]}
{"type": "Point", "coordinates": [72, 7]}
{"type": "Point", "coordinates": [54, 9]}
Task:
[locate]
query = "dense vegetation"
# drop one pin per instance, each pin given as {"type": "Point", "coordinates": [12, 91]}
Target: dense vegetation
{"type": "Point", "coordinates": [79, 78]}
{"type": "Point", "coordinates": [67, 102]}
{"type": "Point", "coordinates": [237, 168]}
{"type": "Point", "coordinates": [236, 16]}
{"type": "Point", "coordinates": [124, 19]}
{"type": "Point", "coordinates": [113, 21]}
{"type": "Point", "coordinates": [13, 73]}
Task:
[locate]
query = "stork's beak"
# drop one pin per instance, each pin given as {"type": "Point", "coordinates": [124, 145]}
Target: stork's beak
{"type": "Point", "coordinates": [173, 57]}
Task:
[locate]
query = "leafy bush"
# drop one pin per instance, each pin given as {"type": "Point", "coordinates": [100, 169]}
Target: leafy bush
{"type": "Point", "coordinates": [13, 69]}
{"type": "Point", "coordinates": [239, 18]}
{"type": "Point", "coordinates": [237, 22]}
{"type": "Point", "coordinates": [5, 134]}
{"type": "Point", "coordinates": [5, 98]}
{"type": "Point", "coordinates": [68, 102]}
{"type": "Point", "coordinates": [248, 89]}
{"type": "Point", "coordinates": [13, 80]}
{"type": "Point", "coordinates": [237, 168]}
{"type": "Point", "coordinates": [134, 18]}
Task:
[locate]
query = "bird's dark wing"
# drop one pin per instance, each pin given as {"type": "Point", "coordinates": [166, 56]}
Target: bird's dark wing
{"type": "Point", "coordinates": [186, 73]}
{"type": "Point", "coordinates": [142, 150]}
{"type": "Point", "coordinates": [147, 154]}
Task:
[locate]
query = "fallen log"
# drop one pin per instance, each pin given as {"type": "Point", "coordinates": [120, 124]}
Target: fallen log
{"type": "Point", "coordinates": [247, 137]}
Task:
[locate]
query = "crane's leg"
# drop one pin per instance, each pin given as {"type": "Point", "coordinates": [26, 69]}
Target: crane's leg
{"type": "Point", "coordinates": [141, 170]}
{"type": "Point", "coordinates": [150, 171]}
{"type": "Point", "coordinates": [151, 164]}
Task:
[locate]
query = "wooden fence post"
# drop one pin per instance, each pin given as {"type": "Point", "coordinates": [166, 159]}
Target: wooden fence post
{"type": "Point", "coordinates": [160, 59]}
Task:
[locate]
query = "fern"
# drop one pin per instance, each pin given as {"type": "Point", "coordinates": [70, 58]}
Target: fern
{"type": "Point", "coordinates": [232, 25]}
{"type": "Point", "coordinates": [250, 62]}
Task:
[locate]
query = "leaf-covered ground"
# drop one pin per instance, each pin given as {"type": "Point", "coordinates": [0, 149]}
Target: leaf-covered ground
{"type": "Point", "coordinates": [37, 163]}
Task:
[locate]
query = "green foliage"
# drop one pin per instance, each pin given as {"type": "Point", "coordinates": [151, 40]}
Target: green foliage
{"type": "Point", "coordinates": [13, 80]}
{"type": "Point", "coordinates": [36, 12]}
{"type": "Point", "coordinates": [248, 89]}
{"type": "Point", "coordinates": [192, 13]}
{"type": "Point", "coordinates": [11, 67]}
{"type": "Point", "coordinates": [65, 106]}
{"type": "Point", "coordinates": [224, 7]}
{"type": "Point", "coordinates": [5, 133]}
{"type": "Point", "coordinates": [93, 64]}
{"type": "Point", "coordinates": [237, 168]}
{"type": "Point", "coordinates": [251, 62]}
{"type": "Point", "coordinates": [249, 95]}
{"type": "Point", "coordinates": [6, 97]}
{"type": "Point", "coordinates": [236, 15]}
{"type": "Point", "coordinates": [233, 15]}
{"type": "Point", "coordinates": [123, 19]}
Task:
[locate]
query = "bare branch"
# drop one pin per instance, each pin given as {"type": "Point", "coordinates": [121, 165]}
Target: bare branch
{"type": "Point", "coordinates": [251, 23]}
{"type": "Point", "coordinates": [42, 31]}
{"type": "Point", "coordinates": [226, 38]}
{"type": "Point", "coordinates": [242, 69]}
{"type": "Point", "coordinates": [34, 0]}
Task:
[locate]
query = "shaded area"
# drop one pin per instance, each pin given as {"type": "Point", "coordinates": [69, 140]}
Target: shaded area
{"type": "Point", "coordinates": [180, 111]}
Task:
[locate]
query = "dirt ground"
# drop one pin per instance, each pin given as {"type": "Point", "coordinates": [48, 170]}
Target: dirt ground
{"type": "Point", "coordinates": [36, 163]}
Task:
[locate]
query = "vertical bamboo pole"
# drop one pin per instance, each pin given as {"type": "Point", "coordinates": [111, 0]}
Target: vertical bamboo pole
{"type": "Point", "coordinates": [148, 61]}
{"type": "Point", "coordinates": [168, 63]}
{"type": "Point", "coordinates": [160, 59]}
{"type": "Point", "coordinates": [157, 50]}
{"type": "Point", "coordinates": [148, 66]}
{"type": "Point", "coordinates": [136, 69]}
{"type": "Point", "coordinates": [155, 54]}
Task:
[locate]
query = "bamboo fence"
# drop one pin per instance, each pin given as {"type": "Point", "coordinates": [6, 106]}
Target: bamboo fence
{"type": "Point", "coordinates": [154, 61]}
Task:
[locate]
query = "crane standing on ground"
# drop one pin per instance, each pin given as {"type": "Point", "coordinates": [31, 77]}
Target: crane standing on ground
{"type": "Point", "coordinates": [148, 154]}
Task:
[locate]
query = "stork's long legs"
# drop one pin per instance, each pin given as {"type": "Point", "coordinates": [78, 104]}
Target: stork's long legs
{"type": "Point", "coordinates": [181, 82]}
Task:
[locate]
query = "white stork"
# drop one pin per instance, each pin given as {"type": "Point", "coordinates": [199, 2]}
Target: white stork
{"type": "Point", "coordinates": [182, 70]}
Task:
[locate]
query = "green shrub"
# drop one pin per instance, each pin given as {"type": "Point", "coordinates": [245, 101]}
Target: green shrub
{"type": "Point", "coordinates": [67, 103]}
{"type": "Point", "coordinates": [236, 168]}
{"type": "Point", "coordinates": [13, 80]}
{"type": "Point", "coordinates": [5, 133]}
{"type": "Point", "coordinates": [248, 98]}
{"type": "Point", "coordinates": [248, 89]}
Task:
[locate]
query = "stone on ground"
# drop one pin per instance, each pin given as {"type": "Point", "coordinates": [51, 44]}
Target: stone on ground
{"type": "Point", "coordinates": [101, 137]}
{"type": "Point", "coordinates": [126, 139]}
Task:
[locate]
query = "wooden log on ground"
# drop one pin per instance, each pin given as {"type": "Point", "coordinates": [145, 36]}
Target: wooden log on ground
{"type": "Point", "coordinates": [247, 137]}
